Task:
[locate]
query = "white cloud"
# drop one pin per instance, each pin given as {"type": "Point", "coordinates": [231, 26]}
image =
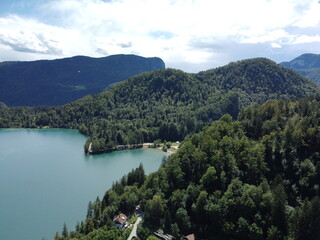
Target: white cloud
{"type": "Point", "coordinates": [27, 35]}
{"type": "Point", "coordinates": [182, 32]}
{"type": "Point", "coordinates": [267, 37]}
{"type": "Point", "coordinates": [276, 45]}
{"type": "Point", "coordinates": [311, 16]}
{"type": "Point", "coordinates": [31, 36]}
{"type": "Point", "coordinates": [307, 39]}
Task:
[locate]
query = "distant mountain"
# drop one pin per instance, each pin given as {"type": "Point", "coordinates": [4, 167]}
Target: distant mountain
{"type": "Point", "coordinates": [307, 65]}
{"type": "Point", "coordinates": [56, 82]}
{"type": "Point", "coordinates": [166, 104]}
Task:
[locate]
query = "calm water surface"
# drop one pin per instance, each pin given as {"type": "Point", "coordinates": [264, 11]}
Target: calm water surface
{"type": "Point", "coordinates": [46, 180]}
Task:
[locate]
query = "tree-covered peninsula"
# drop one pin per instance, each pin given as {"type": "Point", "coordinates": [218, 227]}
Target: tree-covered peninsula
{"type": "Point", "coordinates": [165, 104]}
{"type": "Point", "coordinates": [252, 179]}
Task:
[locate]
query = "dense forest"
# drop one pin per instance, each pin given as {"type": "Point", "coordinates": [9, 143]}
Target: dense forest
{"type": "Point", "coordinates": [252, 179]}
{"type": "Point", "coordinates": [165, 104]}
{"type": "Point", "coordinates": [60, 81]}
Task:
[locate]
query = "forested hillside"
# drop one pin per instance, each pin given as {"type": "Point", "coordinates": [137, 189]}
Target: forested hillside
{"type": "Point", "coordinates": [253, 179]}
{"type": "Point", "coordinates": [56, 82]}
{"type": "Point", "coordinates": [307, 65]}
{"type": "Point", "coordinates": [165, 104]}
{"type": "Point", "coordinates": [257, 80]}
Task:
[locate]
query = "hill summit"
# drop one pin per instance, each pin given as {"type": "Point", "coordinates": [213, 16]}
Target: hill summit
{"type": "Point", "coordinates": [56, 82]}
{"type": "Point", "coordinates": [307, 64]}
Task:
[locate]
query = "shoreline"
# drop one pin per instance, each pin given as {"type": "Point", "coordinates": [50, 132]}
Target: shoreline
{"type": "Point", "coordinates": [171, 150]}
{"type": "Point", "coordinates": [143, 146]}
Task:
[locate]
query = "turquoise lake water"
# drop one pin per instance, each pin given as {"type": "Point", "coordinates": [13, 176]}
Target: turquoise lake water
{"type": "Point", "coordinates": [46, 180]}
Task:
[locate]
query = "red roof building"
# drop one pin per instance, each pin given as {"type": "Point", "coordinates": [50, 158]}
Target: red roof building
{"type": "Point", "coordinates": [120, 220]}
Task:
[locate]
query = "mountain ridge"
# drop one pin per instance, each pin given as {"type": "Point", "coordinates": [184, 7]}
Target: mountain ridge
{"type": "Point", "coordinates": [307, 65]}
{"type": "Point", "coordinates": [59, 81]}
{"type": "Point", "coordinates": [306, 60]}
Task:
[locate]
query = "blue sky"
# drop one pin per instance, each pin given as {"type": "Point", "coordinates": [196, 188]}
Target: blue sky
{"type": "Point", "coordinates": [191, 35]}
{"type": "Point", "coordinates": [23, 8]}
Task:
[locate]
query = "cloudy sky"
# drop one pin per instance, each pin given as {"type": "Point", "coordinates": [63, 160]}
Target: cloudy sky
{"type": "Point", "coordinates": [191, 35]}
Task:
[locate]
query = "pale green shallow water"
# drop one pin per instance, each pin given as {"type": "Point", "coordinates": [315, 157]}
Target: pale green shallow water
{"type": "Point", "coordinates": [46, 180]}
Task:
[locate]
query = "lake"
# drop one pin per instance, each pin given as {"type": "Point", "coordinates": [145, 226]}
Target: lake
{"type": "Point", "coordinates": [46, 180]}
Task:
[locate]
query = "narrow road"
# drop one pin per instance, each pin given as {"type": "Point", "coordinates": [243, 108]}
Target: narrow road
{"type": "Point", "coordinates": [90, 148]}
{"type": "Point", "coordinates": [134, 230]}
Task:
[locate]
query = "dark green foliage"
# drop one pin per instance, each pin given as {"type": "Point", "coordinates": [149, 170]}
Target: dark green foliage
{"type": "Point", "coordinates": [236, 200]}
{"type": "Point", "coordinates": [183, 220]}
{"type": "Point", "coordinates": [65, 232]}
{"type": "Point", "coordinates": [154, 210]}
{"type": "Point", "coordinates": [290, 132]}
{"type": "Point", "coordinates": [136, 176]}
{"type": "Point", "coordinates": [143, 232]}
{"type": "Point", "coordinates": [306, 220]}
{"type": "Point", "coordinates": [61, 81]}
{"type": "Point", "coordinates": [105, 233]}
{"type": "Point", "coordinates": [278, 210]}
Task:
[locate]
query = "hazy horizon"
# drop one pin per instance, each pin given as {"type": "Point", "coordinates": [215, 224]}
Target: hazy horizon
{"type": "Point", "coordinates": [190, 35]}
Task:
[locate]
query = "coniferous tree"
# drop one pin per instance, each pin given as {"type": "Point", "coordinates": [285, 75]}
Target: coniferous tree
{"type": "Point", "coordinates": [279, 216]}
{"type": "Point", "coordinates": [65, 232]}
